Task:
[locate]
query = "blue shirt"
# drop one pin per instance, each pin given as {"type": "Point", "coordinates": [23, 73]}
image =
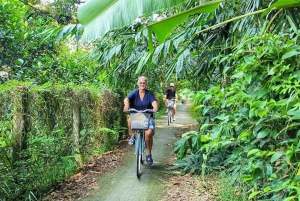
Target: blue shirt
{"type": "Point", "coordinates": [138, 104]}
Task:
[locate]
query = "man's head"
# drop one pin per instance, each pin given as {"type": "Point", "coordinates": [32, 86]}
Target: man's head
{"type": "Point", "coordinates": [142, 82]}
{"type": "Point", "coordinates": [172, 86]}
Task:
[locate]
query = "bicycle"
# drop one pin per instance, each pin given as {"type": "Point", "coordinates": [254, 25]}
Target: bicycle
{"type": "Point", "coordinates": [139, 123]}
{"type": "Point", "coordinates": [170, 105]}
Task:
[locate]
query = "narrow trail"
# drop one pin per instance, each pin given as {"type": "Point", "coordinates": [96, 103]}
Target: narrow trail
{"type": "Point", "coordinates": [121, 183]}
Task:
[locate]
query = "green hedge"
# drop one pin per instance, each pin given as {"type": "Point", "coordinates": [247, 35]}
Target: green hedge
{"type": "Point", "coordinates": [47, 132]}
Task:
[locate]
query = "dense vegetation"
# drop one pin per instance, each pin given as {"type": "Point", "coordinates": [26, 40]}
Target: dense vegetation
{"type": "Point", "coordinates": [243, 75]}
{"type": "Point", "coordinates": [251, 120]}
{"type": "Point", "coordinates": [51, 106]}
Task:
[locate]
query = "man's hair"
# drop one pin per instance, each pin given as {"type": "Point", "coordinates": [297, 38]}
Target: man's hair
{"type": "Point", "coordinates": [142, 78]}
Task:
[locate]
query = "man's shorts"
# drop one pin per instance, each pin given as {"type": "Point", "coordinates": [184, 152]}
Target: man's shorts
{"type": "Point", "coordinates": [152, 125]}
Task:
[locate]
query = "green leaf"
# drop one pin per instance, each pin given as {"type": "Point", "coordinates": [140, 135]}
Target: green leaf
{"type": "Point", "coordinates": [179, 63]}
{"type": "Point", "coordinates": [295, 114]}
{"type": "Point", "coordinates": [292, 23]}
{"type": "Point", "coordinates": [99, 17]}
{"type": "Point", "coordinates": [257, 173]}
{"type": "Point", "coordinates": [204, 157]}
{"type": "Point", "coordinates": [281, 4]}
{"type": "Point", "coordinates": [263, 134]}
{"type": "Point", "coordinates": [142, 62]}
{"type": "Point", "coordinates": [227, 142]}
{"type": "Point", "coordinates": [292, 198]}
{"type": "Point", "coordinates": [247, 178]}
{"type": "Point", "coordinates": [66, 30]}
{"type": "Point", "coordinates": [206, 110]}
{"type": "Point", "coordinates": [248, 78]}
{"type": "Point", "coordinates": [167, 47]}
{"type": "Point", "coordinates": [296, 178]}
{"type": "Point", "coordinates": [261, 92]}
{"type": "Point", "coordinates": [244, 134]}
{"type": "Point", "coordinates": [269, 169]}
{"type": "Point", "coordinates": [290, 54]}
{"type": "Point", "coordinates": [267, 189]}
{"type": "Point", "coordinates": [164, 27]}
{"type": "Point", "coordinates": [190, 133]}
{"type": "Point", "coordinates": [253, 151]}
{"type": "Point", "coordinates": [204, 138]}
{"type": "Point", "coordinates": [157, 53]}
{"type": "Point", "coordinates": [223, 117]}
{"type": "Point", "coordinates": [2, 142]}
{"type": "Point", "coordinates": [20, 61]}
{"type": "Point", "coordinates": [252, 195]}
{"type": "Point", "coordinates": [276, 156]}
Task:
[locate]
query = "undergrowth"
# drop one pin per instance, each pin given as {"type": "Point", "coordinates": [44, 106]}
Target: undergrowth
{"type": "Point", "coordinates": [250, 122]}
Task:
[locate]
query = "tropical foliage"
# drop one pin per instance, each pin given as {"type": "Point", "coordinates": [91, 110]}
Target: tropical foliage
{"type": "Point", "coordinates": [253, 126]}
{"type": "Point", "coordinates": [240, 57]}
{"type": "Point", "coordinates": [97, 16]}
{"type": "Point", "coordinates": [187, 51]}
{"type": "Point", "coordinates": [40, 117]}
{"type": "Point", "coordinates": [30, 56]}
{"type": "Point", "coordinates": [249, 108]}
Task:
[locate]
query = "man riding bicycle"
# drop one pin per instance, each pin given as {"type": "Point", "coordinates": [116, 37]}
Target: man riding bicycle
{"type": "Point", "coordinates": [170, 94]}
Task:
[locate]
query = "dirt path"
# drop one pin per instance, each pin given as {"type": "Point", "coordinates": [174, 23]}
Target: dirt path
{"type": "Point", "coordinates": [122, 184]}
{"type": "Point", "coordinates": [112, 176]}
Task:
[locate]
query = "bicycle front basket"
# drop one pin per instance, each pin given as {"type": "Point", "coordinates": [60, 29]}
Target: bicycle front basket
{"type": "Point", "coordinates": [139, 120]}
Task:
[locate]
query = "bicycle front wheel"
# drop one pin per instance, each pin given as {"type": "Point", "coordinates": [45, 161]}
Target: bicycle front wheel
{"type": "Point", "coordinates": [138, 154]}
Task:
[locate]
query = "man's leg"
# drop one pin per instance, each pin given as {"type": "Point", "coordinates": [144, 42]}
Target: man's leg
{"type": "Point", "coordinates": [166, 105]}
{"type": "Point", "coordinates": [149, 144]}
{"type": "Point", "coordinates": [132, 140]}
{"type": "Point", "coordinates": [174, 112]}
{"type": "Point", "coordinates": [149, 140]}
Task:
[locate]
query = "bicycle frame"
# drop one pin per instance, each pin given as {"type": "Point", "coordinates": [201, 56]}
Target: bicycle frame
{"type": "Point", "coordinates": [140, 146]}
{"type": "Point", "coordinates": [170, 105]}
{"type": "Point", "coordinates": [140, 123]}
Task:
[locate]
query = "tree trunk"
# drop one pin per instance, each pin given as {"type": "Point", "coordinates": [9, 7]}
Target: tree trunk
{"type": "Point", "coordinates": [20, 122]}
{"type": "Point", "coordinates": [76, 127]}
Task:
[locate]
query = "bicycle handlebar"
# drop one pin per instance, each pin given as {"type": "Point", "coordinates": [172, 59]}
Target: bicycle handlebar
{"type": "Point", "coordinates": [142, 111]}
{"type": "Point", "coordinates": [173, 99]}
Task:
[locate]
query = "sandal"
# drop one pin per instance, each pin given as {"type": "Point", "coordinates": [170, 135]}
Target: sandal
{"type": "Point", "coordinates": [149, 159]}
{"type": "Point", "coordinates": [132, 140]}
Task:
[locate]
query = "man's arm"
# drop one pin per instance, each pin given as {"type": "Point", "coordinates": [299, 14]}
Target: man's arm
{"type": "Point", "coordinates": [165, 96]}
{"type": "Point", "coordinates": [155, 106]}
{"type": "Point", "coordinates": [126, 104]}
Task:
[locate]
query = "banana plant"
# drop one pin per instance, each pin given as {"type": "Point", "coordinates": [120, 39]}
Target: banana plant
{"type": "Point", "coordinates": [214, 35]}
{"type": "Point", "coordinates": [99, 17]}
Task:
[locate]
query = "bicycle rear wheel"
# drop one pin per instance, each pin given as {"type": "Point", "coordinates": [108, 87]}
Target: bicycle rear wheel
{"type": "Point", "coordinates": [169, 116]}
{"type": "Point", "coordinates": [138, 154]}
